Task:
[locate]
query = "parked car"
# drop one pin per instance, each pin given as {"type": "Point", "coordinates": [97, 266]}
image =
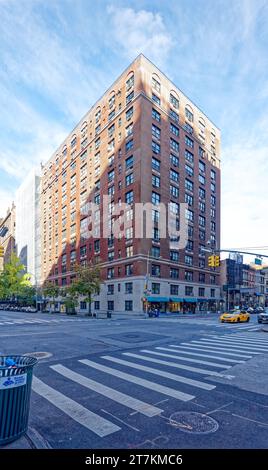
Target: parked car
{"type": "Point", "coordinates": [263, 317]}
{"type": "Point", "coordinates": [235, 316]}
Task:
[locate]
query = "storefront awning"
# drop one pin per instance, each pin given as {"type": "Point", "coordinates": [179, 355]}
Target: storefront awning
{"type": "Point", "coordinates": [202, 299]}
{"type": "Point", "coordinates": [190, 300]}
{"type": "Point", "coordinates": [158, 299]}
{"type": "Point", "coordinates": [176, 299]}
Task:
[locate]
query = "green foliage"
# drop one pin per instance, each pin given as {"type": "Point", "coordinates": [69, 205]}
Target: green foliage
{"type": "Point", "coordinates": [86, 283]}
{"type": "Point", "coordinates": [13, 281]}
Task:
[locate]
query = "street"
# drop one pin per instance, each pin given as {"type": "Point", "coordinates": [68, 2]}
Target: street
{"type": "Point", "coordinates": [154, 383]}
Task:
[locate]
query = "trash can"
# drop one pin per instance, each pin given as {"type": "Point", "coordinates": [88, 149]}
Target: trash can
{"type": "Point", "coordinates": [109, 314]}
{"type": "Point", "coordinates": [15, 390]}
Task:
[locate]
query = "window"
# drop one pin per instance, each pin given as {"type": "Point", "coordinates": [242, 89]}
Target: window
{"type": "Point", "coordinates": [174, 289]}
{"type": "Point", "coordinates": [129, 130]}
{"type": "Point", "coordinates": [202, 206]}
{"type": "Point", "coordinates": [156, 85]}
{"type": "Point", "coordinates": [213, 226]}
{"type": "Point", "coordinates": [212, 292]}
{"type": "Point", "coordinates": [73, 142]}
{"type": "Point", "coordinates": [156, 99]}
{"type": "Point", "coordinates": [129, 162]}
{"type": "Point", "coordinates": [129, 145]}
{"type": "Point", "coordinates": [189, 185]}
{"type": "Point", "coordinates": [188, 128]}
{"type": "Point", "coordinates": [174, 145]}
{"type": "Point", "coordinates": [202, 193]}
{"type": "Point", "coordinates": [201, 263]}
{"type": "Point", "coordinates": [155, 288]}
{"type": "Point", "coordinates": [202, 221]}
{"type": "Point", "coordinates": [189, 290]}
{"type": "Point", "coordinates": [189, 115]}
{"type": "Point", "coordinates": [111, 130]}
{"type": "Point", "coordinates": [111, 115]}
{"type": "Point", "coordinates": [189, 260]}
{"type": "Point", "coordinates": [97, 305]}
{"type": "Point", "coordinates": [155, 270]}
{"type": "Point", "coordinates": [174, 191]}
{"type": "Point", "coordinates": [156, 234]}
{"type": "Point", "coordinates": [97, 245]}
{"type": "Point", "coordinates": [110, 289]}
{"type": "Point", "coordinates": [110, 273]}
{"type": "Point", "coordinates": [201, 179]}
{"type": "Point", "coordinates": [189, 199]}
{"type": "Point", "coordinates": [111, 160]}
{"type": "Point", "coordinates": [156, 132]}
{"type": "Point", "coordinates": [189, 276]}
{"type": "Point", "coordinates": [110, 305]}
{"type": "Point", "coordinates": [173, 115]}
{"type": "Point", "coordinates": [190, 245]}
{"type": "Point", "coordinates": [129, 179]}
{"type": "Point", "coordinates": [129, 269]}
{"type": "Point", "coordinates": [202, 166]}
{"type": "Point", "coordinates": [212, 279]}
{"type": "Point", "coordinates": [129, 233]}
{"type": "Point", "coordinates": [213, 200]}
{"type": "Point", "coordinates": [129, 113]}
{"type": "Point", "coordinates": [156, 115]}
{"type": "Point", "coordinates": [129, 97]}
{"type": "Point", "coordinates": [111, 101]}
{"type": "Point", "coordinates": [189, 215]}
{"type": "Point", "coordinates": [155, 147]}
{"type": "Point", "coordinates": [174, 130]}
{"type": "Point", "coordinates": [202, 277]}
{"type": "Point", "coordinates": [213, 175]}
{"type": "Point", "coordinates": [174, 101]}
{"type": "Point", "coordinates": [155, 252]}
{"type": "Point", "coordinates": [201, 292]}
{"type": "Point", "coordinates": [110, 176]}
{"type": "Point", "coordinates": [83, 305]}
{"type": "Point", "coordinates": [189, 156]}
{"type": "Point", "coordinates": [189, 142]}
{"type": "Point", "coordinates": [155, 216]}
{"type": "Point", "coordinates": [130, 82]}
{"type": "Point", "coordinates": [128, 305]}
{"type": "Point", "coordinates": [174, 255]}
{"type": "Point", "coordinates": [129, 197]}
{"type": "Point", "coordinates": [174, 160]}
{"type": "Point", "coordinates": [128, 287]}
{"type": "Point", "coordinates": [129, 250]}
{"type": "Point", "coordinates": [189, 170]}
{"type": "Point", "coordinates": [201, 152]}
{"type": "Point", "coordinates": [212, 187]}
{"type": "Point", "coordinates": [155, 198]}
{"type": "Point", "coordinates": [83, 251]}
{"type": "Point", "coordinates": [174, 175]}
{"type": "Point", "coordinates": [213, 213]}
{"type": "Point", "coordinates": [156, 181]}
{"type": "Point", "coordinates": [155, 164]}
{"type": "Point", "coordinates": [174, 273]}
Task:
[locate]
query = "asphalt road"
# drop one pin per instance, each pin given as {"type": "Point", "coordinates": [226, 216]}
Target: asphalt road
{"type": "Point", "coordinates": [159, 383]}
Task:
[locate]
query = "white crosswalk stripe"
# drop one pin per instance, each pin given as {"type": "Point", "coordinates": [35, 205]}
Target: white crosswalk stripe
{"type": "Point", "coordinates": [112, 394]}
{"type": "Point", "coordinates": [190, 353]}
{"type": "Point", "coordinates": [95, 423]}
{"type": "Point", "coordinates": [242, 340]}
{"type": "Point", "coordinates": [139, 381]}
{"type": "Point", "coordinates": [161, 373]}
{"type": "Point", "coordinates": [234, 343]}
{"type": "Point", "coordinates": [195, 347]}
{"type": "Point", "coordinates": [186, 359]}
{"type": "Point", "coordinates": [217, 347]}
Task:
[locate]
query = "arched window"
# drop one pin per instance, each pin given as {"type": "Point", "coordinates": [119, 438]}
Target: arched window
{"type": "Point", "coordinates": [130, 80]}
{"type": "Point", "coordinates": [174, 99]}
{"type": "Point", "coordinates": [189, 114]}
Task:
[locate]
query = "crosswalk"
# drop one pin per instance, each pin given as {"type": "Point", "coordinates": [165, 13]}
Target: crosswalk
{"type": "Point", "coordinates": [210, 323]}
{"type": "Point", "coordinates": [174, 371]}
{"type": "Point", "coordinates": [36, 321]}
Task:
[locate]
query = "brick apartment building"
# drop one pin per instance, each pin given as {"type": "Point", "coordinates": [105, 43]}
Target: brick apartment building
{"type": "Point", "coordinates": [143, 141]}
{"type": "Point", "coordinates": [7, 235]}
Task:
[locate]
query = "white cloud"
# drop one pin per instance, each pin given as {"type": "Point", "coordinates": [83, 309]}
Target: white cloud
{"type": "Point", "coordinates": [141, 31]}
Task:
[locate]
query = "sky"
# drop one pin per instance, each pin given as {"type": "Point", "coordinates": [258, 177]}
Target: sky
{"type": "Point", "coordinates": [57, 57]}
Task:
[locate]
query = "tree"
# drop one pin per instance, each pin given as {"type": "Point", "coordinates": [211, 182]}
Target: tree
{"type": "Point", "coordinates": [13, 279]}
{"type": "Point", "coordinates": [86, 283]}
{"type": "Point", "coordinates": [51, 290]}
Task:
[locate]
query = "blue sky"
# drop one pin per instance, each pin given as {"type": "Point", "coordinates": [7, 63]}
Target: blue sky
{"type": "Point", "coordinates": [57, 57]}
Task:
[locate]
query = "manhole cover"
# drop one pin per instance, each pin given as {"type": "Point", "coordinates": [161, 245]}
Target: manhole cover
{"type": "Point", "coordinates": [132, 336]}
{"type": "Point", "coordinates": [38, 355]}
{"type": "Point", "coordinates": [192, 422]}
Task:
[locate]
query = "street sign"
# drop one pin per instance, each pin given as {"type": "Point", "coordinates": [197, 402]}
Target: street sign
{"type": "Point", "coordinates": [258, 261]}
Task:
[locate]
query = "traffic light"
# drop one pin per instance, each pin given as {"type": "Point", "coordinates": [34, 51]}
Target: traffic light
{"type": "Point", "coordinates": [1, 252]}
{"type": "Point", "coordinates": [211, 261]}
{"type": "Point", "coordinates": [217, 261]}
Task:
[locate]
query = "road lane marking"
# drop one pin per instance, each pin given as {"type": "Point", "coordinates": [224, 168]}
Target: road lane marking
{"type": "Point", "coordinates": [139, 381]}
{"type": "Point", "coordinates": [219, 358]}
{"type": "Point", "coordinates": [186, 359]}
{"type": "Point", "coordinates": [220, 347]}
{"type": "Point", "coordinates": [195, 347]}
{"type": "Point", "coordinates": [125, 400]}
{"type": "Point", "coordinates": [161, 373]}
{"type": "Point", "coordinates": [95, 423]}
{"type": "Point", "coordinates": [233, 343]}
{"type": "Point", "coordinates": [174, 364]}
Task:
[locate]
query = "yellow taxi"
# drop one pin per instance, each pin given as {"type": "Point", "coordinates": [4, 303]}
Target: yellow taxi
{"type": "Point", "coordinates": [235, 316]}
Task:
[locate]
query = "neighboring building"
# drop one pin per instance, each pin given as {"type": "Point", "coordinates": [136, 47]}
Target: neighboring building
{"type": "Point", "coordinates": [143, 141]}
{"type": "Point", "coordinates": [7, 235]}
{"type": "Point", "coordinates": [28, 225]}
{"type": "Point", "coordinates": [242, 284]}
